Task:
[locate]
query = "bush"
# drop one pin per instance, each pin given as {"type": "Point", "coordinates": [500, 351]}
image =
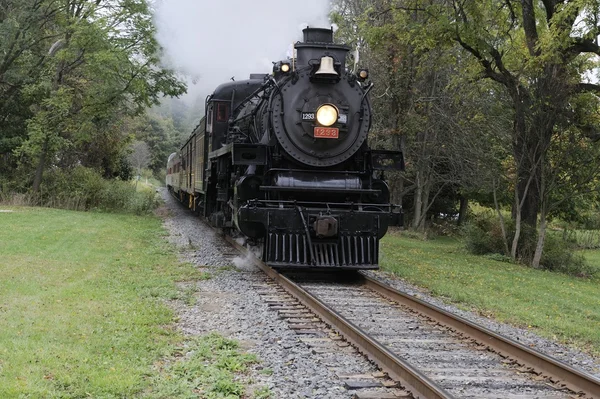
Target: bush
{"type": "Point", "coordinates": [483, 236]}
{"type": "Point", "coordinates": [79, 188]}
{"type": "Point", "coordinates": [591, 219]}
{"type": "Point", "coordinates": [559, 256]}
{"type": "Point", "coordinates": [122, 196]}
{"type": "Point", "coordinates": [144, 201]}
{"type": "Point", "coordinates": [85, 189]}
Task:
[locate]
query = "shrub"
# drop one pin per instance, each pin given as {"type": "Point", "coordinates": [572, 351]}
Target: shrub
{"type": "Point", "coordinates": [483, 234]}
{"type": "Point", "coordinates": [78, 188]}
{"type": "Point", "coordinates": [143, 202]}
{"type": "Point", "coordinates": [83, 188]}
{"type": "Point", "coordinates": [591, 219]}
{"type": "Point", "coordinates": [117, 196]}
{"type": "Point", "coordinates": [122, 196]}
{"type": "Point", "coordinates": [559, 256]}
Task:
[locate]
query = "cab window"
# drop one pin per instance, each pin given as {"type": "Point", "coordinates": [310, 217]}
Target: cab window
{"type": "Point", "coordinates": [209, 119]}
{"type": "Point", "coordinates": [222, 112]}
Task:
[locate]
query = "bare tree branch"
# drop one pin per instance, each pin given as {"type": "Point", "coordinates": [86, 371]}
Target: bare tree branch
{"type": "Point", "coordinates": [581, 45]}
{"type": "Point", "coordinates": [549, 5]}
{"type": "Point", "coordinates": [587, 87]}
{"type": "Point", "coordinates": [489, 71]}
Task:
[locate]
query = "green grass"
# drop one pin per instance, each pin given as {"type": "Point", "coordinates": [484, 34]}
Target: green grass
{"type": "Point", "coordinates": [592, 257]}
{"type": "Point", "coordinates": [555, 305]}
{"type": "Point", "coordinates": [82, 310]}
{"type": "Point", "coordinates": [205, 367]}
{"type": "Point", "coordinates": [263, 393]}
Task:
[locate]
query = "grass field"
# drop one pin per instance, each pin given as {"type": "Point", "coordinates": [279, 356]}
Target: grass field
{"type": "Point", "coordinates": [82, 306]}
{"type": "Point", "coordinates": [592, 257]}
{"type": "Point", "coordinates": [555, 305]}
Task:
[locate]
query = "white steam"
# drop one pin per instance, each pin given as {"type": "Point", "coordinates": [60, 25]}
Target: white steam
{"type": "Point", "coordinates": [247, 262]}
{"type": "Point", "coordinates": [212, 41]}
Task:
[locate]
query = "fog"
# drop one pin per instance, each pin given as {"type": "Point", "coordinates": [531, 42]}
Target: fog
{"type": "Point", "coordinates": [212, 41]}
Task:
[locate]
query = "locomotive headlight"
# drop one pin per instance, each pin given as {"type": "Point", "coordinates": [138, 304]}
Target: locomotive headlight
{"type": "Point", "coordinates": [285, 68]}
{"type": "Point", "coordinates": [327, 115]}
{"type": "Point", "coordinates": [362, 75]}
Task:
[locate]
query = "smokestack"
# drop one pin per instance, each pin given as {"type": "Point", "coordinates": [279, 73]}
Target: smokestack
{"type": "Point", "coordinates": [317, 35]}
{"type": "Point", "coordinates": [318, 43]}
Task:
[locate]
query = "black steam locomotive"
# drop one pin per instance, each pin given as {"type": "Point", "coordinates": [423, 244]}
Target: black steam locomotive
{"type": "Point", "coordinates": [283, 159]}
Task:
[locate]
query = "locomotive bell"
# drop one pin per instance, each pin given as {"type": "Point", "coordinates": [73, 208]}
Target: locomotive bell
{"type": "Point", "coordinates": [326, 67]}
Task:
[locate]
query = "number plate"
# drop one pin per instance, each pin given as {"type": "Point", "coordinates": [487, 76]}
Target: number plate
{"type": "Point", "coordinates": [327, 132]}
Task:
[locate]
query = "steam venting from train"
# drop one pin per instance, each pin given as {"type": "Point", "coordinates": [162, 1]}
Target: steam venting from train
{"type": "Point", "coordinates": [213, 41]}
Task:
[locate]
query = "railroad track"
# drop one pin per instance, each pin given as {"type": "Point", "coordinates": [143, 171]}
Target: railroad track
{"type": "Point", "coordinates": [429, 351]}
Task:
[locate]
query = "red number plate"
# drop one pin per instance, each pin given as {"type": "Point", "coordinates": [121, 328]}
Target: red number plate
{"type": "Point", "coordinates": [327, 132]}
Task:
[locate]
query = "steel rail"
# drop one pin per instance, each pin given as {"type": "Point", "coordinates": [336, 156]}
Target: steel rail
{"type": "Point", "coordinates": [421, 386]}
{"type": "Point", "coordinates": [576, 380]}
{"type": "Point", "coordinates": [397, 368]}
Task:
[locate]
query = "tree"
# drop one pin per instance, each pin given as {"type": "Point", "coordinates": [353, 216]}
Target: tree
{"type": "Point", "coordinates": [102, 67]}
{"type": "Point", "coordinates": [539, 60]}
{"type": "Point", "coordinates": [572, 171]}
{"type": "Point", "coordinates": [537, 51]}
{"type": "Point", "coordinates": [25, 38]}
{"type": "Point", "coordinates": [139, 157]}
{"type": "Point", "coordinates": [161, 136]}
{"type": "Point", "coordinates": [421, 105]}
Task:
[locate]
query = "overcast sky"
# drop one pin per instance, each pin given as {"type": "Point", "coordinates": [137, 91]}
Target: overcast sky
{"type": "Point", "coordinates": [211, 41]}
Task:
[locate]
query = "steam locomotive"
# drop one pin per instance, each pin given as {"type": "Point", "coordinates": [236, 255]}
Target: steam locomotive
{"type": "Point", "coordinates": [283, 160]}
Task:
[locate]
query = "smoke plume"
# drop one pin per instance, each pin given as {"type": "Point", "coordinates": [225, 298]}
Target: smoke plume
{"type": "Point", "coordinates": [213, 41]}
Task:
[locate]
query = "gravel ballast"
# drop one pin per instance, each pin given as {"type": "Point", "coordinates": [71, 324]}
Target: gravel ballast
{"type": "Point", "coordinates": [229, 304]}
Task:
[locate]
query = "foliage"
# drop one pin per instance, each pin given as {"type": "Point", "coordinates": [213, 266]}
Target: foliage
{"type": "Point", "coordinates": [452, 134]}
{"type": "Point", "coordinates": [487, 100]}
{"type": "Point", "coordinates": [483, 236]}
{"type": "Point", "coordinates": [139, 156]}
{"type": "Point", "coordinates": [560, 256]}
{"type": "Point", "coordinates": [72, 72]}
{"type": "Point", "coordinates": [83, 188]}
{"type": "Point", "coordinates": [591, 219]}
{"type": "Point", "coordinates": [583, 239]}
{"type": "Point", "coordinates": [161, 136]}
